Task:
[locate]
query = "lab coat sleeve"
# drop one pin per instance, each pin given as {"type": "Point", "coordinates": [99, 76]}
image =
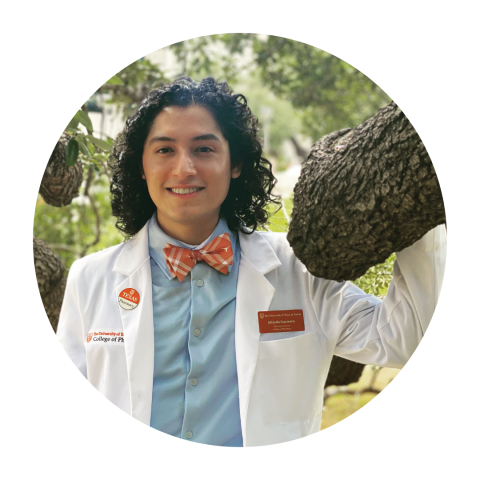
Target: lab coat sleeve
{"type": "Point", "coordinates": [387, 333]}
{"type": "Point", "coordinates": [70, 331]}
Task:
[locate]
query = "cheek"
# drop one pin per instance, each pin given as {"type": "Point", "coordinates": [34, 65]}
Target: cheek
{"type": "Point", "coordinates": [152, 171]}
{"type": "Point", "coordinates": [145, 168]}
{"type": "Point", "coordinates": [223, 184]}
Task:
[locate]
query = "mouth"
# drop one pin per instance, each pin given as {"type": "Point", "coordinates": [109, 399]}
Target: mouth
{"type": "Point", "coordinates": [184, 192]}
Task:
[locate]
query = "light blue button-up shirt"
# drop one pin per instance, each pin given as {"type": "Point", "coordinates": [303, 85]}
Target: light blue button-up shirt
{"type": "Point", "coordinates": [195, 385]}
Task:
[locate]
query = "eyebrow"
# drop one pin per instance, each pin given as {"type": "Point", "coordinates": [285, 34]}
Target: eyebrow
{"type": "Point", "coordinates": [207, 136]}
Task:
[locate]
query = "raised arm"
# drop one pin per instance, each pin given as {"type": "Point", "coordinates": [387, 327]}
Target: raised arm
{"type": "Point", "coordinates": [387, 333]}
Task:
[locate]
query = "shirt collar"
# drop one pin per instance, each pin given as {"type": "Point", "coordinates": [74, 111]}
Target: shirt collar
{"type": "Point", "coordinates": [157, 239]}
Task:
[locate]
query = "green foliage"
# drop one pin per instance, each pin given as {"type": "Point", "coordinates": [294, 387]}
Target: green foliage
{"type": "Point", "coordinates": [90, 149]}
{"type": "Point", "coordinates": [84, 119]}
{"type": "Point", "coordinates": [279, 119]}
{"type": "Point", "coordinates": [70, 229]}
{"type": "Point", "coordinates": [102, 144]}
{"type": "Point", "coordinates": [377, 279]}
{"type": "Point", "coordinates": [72, 152]}
{"type": "Point", "coordinates": [115, 80]}
{"type": "Point", "coordinates": [328, 93]}
{"type": "Point", "coordinates": [130, 86]}
{"type": "Point", "coordinates": [280, 220]}
{"type": "Point", "coordinates": [198, 58]}
{"type": "Point", "coordinates": [80, 117]}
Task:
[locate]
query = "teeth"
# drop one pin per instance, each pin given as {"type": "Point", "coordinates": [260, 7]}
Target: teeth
{"type": "Point", "coordinates": [185, 191]}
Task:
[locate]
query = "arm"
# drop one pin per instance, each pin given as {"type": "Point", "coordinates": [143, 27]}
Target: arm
{"type": "Point", "coordinates": [387, 333]}
{"type": "Point", "coordinates": [70, 331]}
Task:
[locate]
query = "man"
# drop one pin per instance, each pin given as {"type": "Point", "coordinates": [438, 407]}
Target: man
{"type": "Point", "coordinates": [199, 325]}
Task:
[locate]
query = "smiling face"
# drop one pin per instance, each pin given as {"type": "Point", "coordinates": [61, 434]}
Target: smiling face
{"type": "Point", "coordinates": [186, 163]}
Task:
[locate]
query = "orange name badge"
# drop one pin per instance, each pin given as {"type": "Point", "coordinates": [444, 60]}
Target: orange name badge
{"type": "Point", "coordinates": [277, 321]}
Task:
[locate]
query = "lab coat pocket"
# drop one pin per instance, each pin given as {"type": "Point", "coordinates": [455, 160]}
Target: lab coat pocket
{"type": "Point", "coordinates": [290, 374]}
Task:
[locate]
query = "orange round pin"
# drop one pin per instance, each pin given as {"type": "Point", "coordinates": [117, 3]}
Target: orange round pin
{"type": "Point", "coordinates": [128, 298]}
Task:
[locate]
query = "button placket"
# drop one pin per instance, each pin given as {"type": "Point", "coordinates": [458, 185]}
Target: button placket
{"type": "Point", "coordinates": [192, 414]}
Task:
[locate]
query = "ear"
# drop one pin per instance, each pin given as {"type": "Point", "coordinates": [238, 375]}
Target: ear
{"type": "Point", "coordinates": [236, 171]}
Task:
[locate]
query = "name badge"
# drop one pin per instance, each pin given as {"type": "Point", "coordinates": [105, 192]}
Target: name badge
{"type": "Point", "coordinates": [277, 321]}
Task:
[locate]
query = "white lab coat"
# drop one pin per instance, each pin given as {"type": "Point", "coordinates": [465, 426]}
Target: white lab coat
{"type": "Point", "coordinates": [281, 376]}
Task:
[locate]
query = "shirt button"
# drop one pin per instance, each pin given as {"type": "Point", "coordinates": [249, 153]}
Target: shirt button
{"type": "Point", "coordinates": [189, 434]}
{"type": "Point", "coordinates": [193, 381]}
{"type": "Point", "coordinates": [199, 283]}
{"type": "Point", "coordinates": [197, 332]}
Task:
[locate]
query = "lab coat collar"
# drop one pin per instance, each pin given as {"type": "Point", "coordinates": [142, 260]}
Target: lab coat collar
{"type": "Point", "coordinates": [256, 249]}
{"type": "Point", "coordinates": [133, 254]}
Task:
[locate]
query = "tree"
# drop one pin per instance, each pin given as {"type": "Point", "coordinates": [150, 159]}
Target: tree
{"type": "Point", "coordinates": [363, 194]}
{"type": "Point", "coordinates": [74, 153]}
{"type": "Point", "coordinates": [51, 281]}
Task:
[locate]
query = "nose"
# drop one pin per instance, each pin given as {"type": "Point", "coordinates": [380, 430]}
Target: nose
{"type": "Point", "coordinates": [184, 165]}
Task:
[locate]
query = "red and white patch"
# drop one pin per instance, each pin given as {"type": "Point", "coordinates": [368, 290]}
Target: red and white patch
{"type": "Point", "coordinates": [128, 298]}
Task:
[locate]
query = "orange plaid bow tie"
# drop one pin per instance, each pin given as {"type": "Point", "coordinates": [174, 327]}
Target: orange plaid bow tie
{"type": "Point", "coordinates": [217, 253]}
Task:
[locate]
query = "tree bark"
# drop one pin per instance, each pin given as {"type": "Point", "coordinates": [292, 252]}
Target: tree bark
{"type": "Point", "coordinates": [60, 183]}
{"type": "Point", "coordinates": [343, 372]}
{"type": "Point", "coordinates": [50, 279]}
{"type": "Point", "coordinates": [364, 193]}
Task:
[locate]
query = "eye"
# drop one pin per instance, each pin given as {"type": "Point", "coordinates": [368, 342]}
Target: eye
{"type": "Point", "coordinates": [204, 149]}
{"type": "Point", "coordinates": [164, 150]}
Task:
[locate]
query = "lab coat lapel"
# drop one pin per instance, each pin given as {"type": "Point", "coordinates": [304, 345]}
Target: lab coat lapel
{"type": "Point", "coordinates": [134, 263]}
{"type": "Point", "coordinates": [254, 294]}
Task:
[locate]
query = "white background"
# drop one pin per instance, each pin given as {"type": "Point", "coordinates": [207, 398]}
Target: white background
{"type": "Point", "coordinates": [56, 54]}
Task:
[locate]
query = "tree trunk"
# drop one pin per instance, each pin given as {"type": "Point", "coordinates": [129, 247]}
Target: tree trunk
{"type": "Point", "coordinates": [343, 372]}
{"type": "Point", "coordinates": [50, 278]}
{"type": "Point", "coordinates": [364, 193]}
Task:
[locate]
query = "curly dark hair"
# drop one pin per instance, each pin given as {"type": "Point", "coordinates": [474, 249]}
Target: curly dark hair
{"type": "Point", "coordinates": [244, 208]}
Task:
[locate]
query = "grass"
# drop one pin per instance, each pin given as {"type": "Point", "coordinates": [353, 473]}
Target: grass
{"type": "Point", "coordinates": [340, 406]}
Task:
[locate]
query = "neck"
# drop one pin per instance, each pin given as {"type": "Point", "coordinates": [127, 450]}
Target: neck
{"type": "Point", "coordinates": [189, 234]}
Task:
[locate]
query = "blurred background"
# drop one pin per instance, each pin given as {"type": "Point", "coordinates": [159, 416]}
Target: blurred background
{"type": "Point", "coordinates": [298, 92]}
